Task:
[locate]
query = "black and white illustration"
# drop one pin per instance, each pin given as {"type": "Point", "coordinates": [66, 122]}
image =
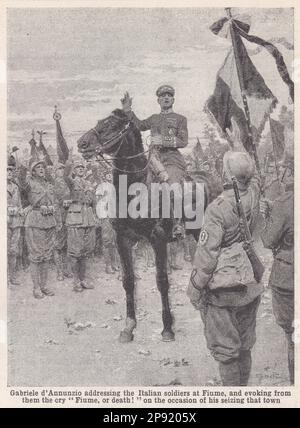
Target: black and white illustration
{"type": "Point", "coordinates": [150, 197]}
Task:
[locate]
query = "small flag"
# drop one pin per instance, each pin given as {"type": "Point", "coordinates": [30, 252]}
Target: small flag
{"type": "Point", "coordinates": [61, 144]}
{"type": "Point", "coordinates": [34, 154]}
{"type": "Point", "coordinates": [198, 150]}
{"type": "Point", "coordinates": [42, 151]}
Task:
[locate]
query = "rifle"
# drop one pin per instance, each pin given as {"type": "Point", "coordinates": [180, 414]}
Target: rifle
{"type": "Point", "coordinates": [257, 266]}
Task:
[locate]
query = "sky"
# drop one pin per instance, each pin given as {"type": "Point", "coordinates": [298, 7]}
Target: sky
{"type": "Point", "coordinates": [84, 59]}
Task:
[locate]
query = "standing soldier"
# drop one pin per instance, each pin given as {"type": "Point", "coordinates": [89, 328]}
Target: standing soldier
{"type": "Point", "coordinates": [168, 133]}
{"type": "Point", "coordinates": [62, 193]}
{"type": "Point", "coordinates": [279, 236]}
{"type": "Point", "coordinates": [40, 225]}
{"type": "Point", "coordinates": [222, 283]}
{"type": "Point", "coordinates": [108, 238]}
{"type": "Point", "coordinates": [15, 221]}
{"type": "Point", "coordinates": [80, 224]}
{"type": "Point", "coordinates": [173, 255]}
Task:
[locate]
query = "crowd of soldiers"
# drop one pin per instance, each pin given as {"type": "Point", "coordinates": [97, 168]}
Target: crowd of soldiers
{"type": "Point", "coordinates": [55, 211]}
{"type": "Point", "coordinates": [52, 218]}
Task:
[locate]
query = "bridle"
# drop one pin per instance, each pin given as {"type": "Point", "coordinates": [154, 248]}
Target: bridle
{"type": "Point", "coordinates": [112, 141]}
{"type": "Point", "coordinates": [122, 135]}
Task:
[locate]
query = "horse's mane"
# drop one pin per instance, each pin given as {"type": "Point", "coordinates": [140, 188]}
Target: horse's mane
{"type": "Point", "coordinates": [120, 114]}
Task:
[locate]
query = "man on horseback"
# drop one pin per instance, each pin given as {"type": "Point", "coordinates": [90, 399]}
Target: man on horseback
{"type": "Point", "coordinates": [168, 134]}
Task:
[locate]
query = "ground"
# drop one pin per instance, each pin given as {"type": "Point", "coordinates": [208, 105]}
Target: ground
{"type": "Point", "coordinates": [72, 339]}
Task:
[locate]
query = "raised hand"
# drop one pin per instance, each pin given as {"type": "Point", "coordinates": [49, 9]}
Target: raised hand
{"type": "Point", "coordinates": [126, 102]}
{"type": "Point", "coordinates": [235, 136]}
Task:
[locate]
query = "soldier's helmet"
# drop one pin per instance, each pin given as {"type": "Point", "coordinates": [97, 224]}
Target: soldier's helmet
{"type": "Point", "coordinates": [165, 89]}
{"type": "Point", "coordinates": [11, 162]}
{"type": "Point", "coordinates": [78, 161]}
{"type": "Point", "coordinates": [35, 162]}
{"type": "Point", "coordinates": [238, 165]}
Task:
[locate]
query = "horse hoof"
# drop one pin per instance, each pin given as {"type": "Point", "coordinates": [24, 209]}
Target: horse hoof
{"type": "Point", "coordinates": [168, 336]}
{"type": "Point", "coordinates": [125, 337]}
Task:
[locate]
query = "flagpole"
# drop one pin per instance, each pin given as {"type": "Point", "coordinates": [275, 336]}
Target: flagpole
{"type": "Point", "coordinates": [275, 157]}
{"type": "Point", "coordinates": [242, 89]}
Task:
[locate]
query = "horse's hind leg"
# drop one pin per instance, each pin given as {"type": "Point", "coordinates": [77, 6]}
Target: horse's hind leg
{"type": "Point", "coordinates": [160, 249]}
{"type": "Point", "coordinates": [125, 252]}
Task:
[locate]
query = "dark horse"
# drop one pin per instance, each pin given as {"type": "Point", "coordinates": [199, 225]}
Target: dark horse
{"type": "Point", "coordinates": [119, 138]}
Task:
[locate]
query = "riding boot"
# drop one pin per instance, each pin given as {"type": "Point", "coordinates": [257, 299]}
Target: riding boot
{"type": "Point", "coordinates": [82, 274]}
{"type": "Point", "coordinates": [245, 362]}
{"type": "Point", "coordinates": [44, 266]}
{"type": "Point", "coordinates": [35, 276]}
{"type": "Point", "coordinates": [59, 265]}
{"type": "Point", "coordinates": [76, 280]}
{"type": "Point", "coordinates": [291, 358]}
{"type": "Point", "coordinates": [12, 268]}
{"type": "Point", "coordinates": [178, 230]}
{"type": "Point", "coordinates": [230, 373]}
{"type": "Point", "coordinates": [107, 259]}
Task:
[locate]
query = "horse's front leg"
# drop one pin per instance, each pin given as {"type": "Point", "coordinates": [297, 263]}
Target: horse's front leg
{"type": "Point", "coordinates": [125, 252]}
{"type": "Point", "coordinates": [161, 259]}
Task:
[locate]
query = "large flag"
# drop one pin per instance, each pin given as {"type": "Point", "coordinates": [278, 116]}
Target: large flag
{"type": "Point", "coordinates": [241, 99]}
{"type": "Point", "coordinates": [241, 27]}
{"type": "Point", "coordinates": [227, 105]}
{"type": "Point", "coordinates": [277, 136]}
{"type": "Point", "coordinates": [61, 144]}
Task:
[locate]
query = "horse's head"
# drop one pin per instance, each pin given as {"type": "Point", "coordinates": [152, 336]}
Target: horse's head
{"type": "Point", "coordinates": [106, 136]}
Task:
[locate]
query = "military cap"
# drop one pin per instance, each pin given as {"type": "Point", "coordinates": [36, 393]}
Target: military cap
{"type": "Point", "coordinates": [59, 165]}
{"type": "Point", "coordinates": [238, 165]}
{"type": "Point", "coordinates": [78, 162]}
{"type": "Point", "coordinates": [35, 162]}
{"type": "Point", "coordinates": [165, 89]}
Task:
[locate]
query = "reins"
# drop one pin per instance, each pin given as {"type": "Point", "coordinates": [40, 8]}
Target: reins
{"type": "Point", "coordinates": [114, 157]}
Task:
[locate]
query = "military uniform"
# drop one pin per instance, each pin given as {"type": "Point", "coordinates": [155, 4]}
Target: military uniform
{"type": "Point", "coordinates": [168, 125]}
{"type": "Point", "coordinates": [81, 224]}
{"type": "Point", "coordinates": [279, 236]}
{"type": "Point", "coordinates": [15, 221]}
{"type": "Point", "coordinates": [43, 216]}
{"type": "Point", "coordinates": [62, 193]}
{"type": "Point", "coordinates": [166, 163]}
{"type": "Point", "coordinates": [222, 284]}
